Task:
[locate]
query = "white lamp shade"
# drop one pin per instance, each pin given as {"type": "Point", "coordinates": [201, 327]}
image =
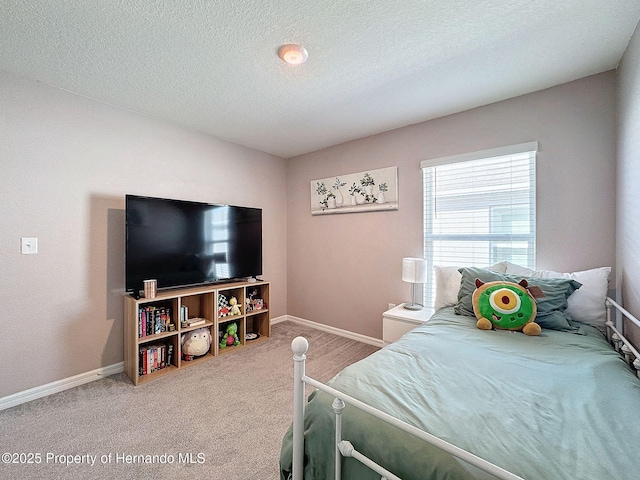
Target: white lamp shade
{"type": "Point", "coordinates": [414, 270]}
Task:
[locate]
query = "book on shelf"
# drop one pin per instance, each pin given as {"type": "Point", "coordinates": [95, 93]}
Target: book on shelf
{"type": "Point", "coordinates": [169, 354]}
{"type": "Point", "coordinates": [192, 322]}
{"type": "Point", "coordinates": [152, 358]}
{"type": "Point", "coordinates": [153, 320]}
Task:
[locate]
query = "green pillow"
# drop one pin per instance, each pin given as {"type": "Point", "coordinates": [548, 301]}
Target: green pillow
{"type": "Point", "coordinates": [550, 307]}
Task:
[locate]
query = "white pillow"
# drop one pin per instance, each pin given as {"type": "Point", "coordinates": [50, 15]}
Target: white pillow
{"type": "Point", "coordinates": [448, 284]}
{"type": "Point", "coordinates": [586, 304]}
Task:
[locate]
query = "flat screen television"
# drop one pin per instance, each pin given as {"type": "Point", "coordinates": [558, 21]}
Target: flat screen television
{"type": "Point", "coordinates": [180, 243]}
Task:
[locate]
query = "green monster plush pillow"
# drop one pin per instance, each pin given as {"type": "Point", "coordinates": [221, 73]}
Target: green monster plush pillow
{"type": "Point", "coordinates": [506, 306]}
{"type": "Point", "coordinates": [551, 306]}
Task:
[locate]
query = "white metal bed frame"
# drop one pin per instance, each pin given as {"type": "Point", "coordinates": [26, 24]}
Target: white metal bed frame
{"type": "Point", "coordinates": [343, 448]}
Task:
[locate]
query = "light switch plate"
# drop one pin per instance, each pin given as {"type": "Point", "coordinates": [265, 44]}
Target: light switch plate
{"type": "Point", "coordinates": [28, 245]}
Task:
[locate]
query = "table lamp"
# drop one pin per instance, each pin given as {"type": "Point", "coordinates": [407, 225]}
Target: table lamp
{"type": "Point", "coordinates": [414, 270]}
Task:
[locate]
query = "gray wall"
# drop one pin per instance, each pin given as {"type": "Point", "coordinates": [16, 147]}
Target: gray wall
{"type": "Point", "coordinates": [66, 164]}
{"type": "Point", "coordinates": [343, 270]}
{"type": "Point", "coordinates": [628, 200]}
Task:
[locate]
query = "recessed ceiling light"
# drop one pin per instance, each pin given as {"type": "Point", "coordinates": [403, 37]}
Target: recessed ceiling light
{"type": "Point", "coordinates": [293, 54]}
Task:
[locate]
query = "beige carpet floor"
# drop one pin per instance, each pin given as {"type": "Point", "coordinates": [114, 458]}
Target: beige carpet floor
{"type": "Point", "coordinates": [221, 419]}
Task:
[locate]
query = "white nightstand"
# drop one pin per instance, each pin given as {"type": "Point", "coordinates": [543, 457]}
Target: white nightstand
{"type": "Point", "coordinates": [399, 320]}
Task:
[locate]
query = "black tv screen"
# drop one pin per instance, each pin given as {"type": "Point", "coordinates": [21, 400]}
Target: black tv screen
{"type": "Point", "coordinates": [181, 243]}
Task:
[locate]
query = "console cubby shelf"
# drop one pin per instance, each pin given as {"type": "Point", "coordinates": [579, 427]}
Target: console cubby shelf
{"type": "Point", "coordinates": [152, 349]}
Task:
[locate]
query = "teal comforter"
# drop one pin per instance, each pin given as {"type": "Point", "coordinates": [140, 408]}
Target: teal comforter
{"type": "Point", "coordinates": [558, 406]}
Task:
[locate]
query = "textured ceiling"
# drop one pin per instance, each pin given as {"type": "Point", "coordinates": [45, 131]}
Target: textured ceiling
{"type": "Point", "coordinates": [373, 65]}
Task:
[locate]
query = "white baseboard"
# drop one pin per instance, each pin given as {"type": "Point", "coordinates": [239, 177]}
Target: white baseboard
{"type": "Point", "coordinates": [376, 342]}
{"type": "Point", "coordinates": [59, 385]}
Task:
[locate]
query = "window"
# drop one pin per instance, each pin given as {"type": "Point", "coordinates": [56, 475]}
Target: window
{"type": "Point", "coordinates": [479, 209]}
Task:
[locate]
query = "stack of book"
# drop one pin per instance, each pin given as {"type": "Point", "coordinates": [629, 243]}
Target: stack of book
{"type": "Point", "coordinates": [153, 320]}
{"type": "Point", "coordinates": [190, 322]}
{"type": "Point", "coordinates": [154, 357]}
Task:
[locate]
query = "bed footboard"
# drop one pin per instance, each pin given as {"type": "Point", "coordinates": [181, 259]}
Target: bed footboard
{"type": "Point", "coordinates": [344, 448]}
{"type": "Point", "coordinates": [300, 345]}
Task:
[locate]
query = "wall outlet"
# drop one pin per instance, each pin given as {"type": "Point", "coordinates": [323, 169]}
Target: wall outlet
{"type": "Point", "coordinates": [28, 246]}
{"type": "Point", "coordinates": [391, 305]}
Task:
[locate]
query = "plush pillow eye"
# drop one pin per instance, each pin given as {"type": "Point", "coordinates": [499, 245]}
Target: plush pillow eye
{"type": "Point", "coordinates": [504, 300]}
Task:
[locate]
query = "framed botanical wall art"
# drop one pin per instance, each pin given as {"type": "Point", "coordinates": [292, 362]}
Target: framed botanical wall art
{"type": "Point", "coordinates": [356, 192]}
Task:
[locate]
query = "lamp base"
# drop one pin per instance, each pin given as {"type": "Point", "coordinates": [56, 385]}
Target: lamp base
{"type": "Point", "coordinates": [413, 306]}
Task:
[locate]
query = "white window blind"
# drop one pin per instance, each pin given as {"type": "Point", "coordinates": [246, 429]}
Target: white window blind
{"type": "Point", "coordinates": [480, 209]}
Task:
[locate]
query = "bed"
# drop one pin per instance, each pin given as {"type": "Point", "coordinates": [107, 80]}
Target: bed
{"type": "Point", "coordinates": [562, 405]}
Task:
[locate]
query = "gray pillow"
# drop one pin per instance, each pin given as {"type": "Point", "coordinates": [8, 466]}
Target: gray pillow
{"type": "Point", "coordinates": [551, 307]}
